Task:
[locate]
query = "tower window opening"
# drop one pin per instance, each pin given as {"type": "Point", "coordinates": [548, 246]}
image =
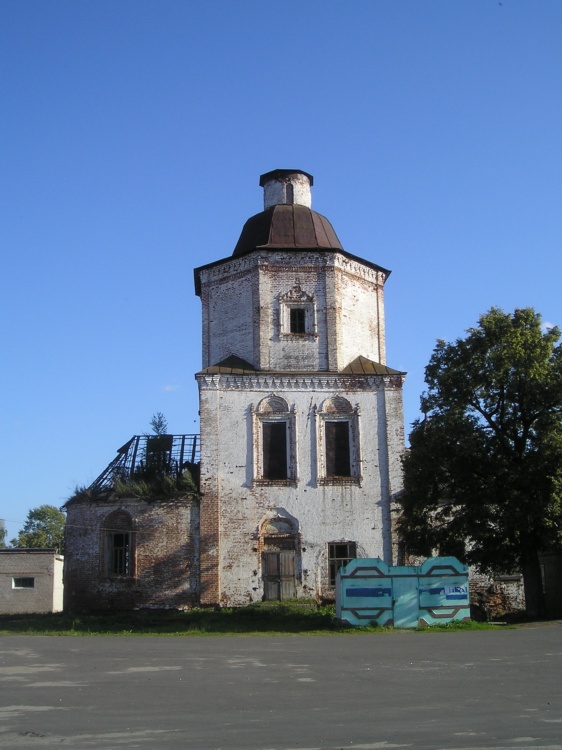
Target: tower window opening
{"type": "Point", "coordinates": [298, 320]}
{"type": "Point", "coordinates": [338, 455]}
{"type": "Point", "coordinates": [274, 450]}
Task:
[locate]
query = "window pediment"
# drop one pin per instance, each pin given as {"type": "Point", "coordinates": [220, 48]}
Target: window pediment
{"type": "Point", "coordinates": [297, 295]}
{"type": "Point", "coordinates": [336, 405]}
{"type": "Point", "coordinates": [273, 405]}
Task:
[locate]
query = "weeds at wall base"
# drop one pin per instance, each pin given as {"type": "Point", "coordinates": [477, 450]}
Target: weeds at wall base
{"type": "Point", "coordinates": [281, 619]}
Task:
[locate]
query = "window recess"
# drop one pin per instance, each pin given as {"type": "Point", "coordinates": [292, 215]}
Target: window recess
{"type": "Point", "coordinates": [23, 582]}
{"type": "Point", "coordinates": [119, 553]}
{"type": "Point", "coordinates": [117, 545]}
{"type": "Point", "coordinates": [274, 442]}
{"type": "Point", "coordinates": [297, 319]}
{"type": "Point", "coordinates": [338, 444]}
{"type": "Point", "coordinates": [297, 314]}
{"type": "Point", "coordinates": [339, 554]}
{"type": "Point", "coordinates": [274, 435]}
{"type": "Point", "coordinates": [338, 455]}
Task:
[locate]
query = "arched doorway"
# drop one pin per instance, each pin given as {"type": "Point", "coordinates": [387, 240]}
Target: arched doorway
{"type": "Point", "coordinates": [279, 559]}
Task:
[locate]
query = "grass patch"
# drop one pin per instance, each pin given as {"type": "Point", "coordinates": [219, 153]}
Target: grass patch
{"type": "Point", "coordinates": [257, 619]}
{"type": "Point", "coordinates": [470, 625]}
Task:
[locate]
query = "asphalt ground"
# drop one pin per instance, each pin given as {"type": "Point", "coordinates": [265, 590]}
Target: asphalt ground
{"type": "Point", "coordinates": [473, 689]}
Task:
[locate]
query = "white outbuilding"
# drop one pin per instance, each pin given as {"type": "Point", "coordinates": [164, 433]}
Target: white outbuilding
{"type": "Point", "coordinates": [30, 580]}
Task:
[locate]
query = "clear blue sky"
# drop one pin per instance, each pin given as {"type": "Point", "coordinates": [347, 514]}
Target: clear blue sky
{"type": "Point", "coordinates": [133, 136]}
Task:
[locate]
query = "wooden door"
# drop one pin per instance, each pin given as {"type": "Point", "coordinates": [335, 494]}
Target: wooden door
{"type": "Point", "coordinates": [279, 575]}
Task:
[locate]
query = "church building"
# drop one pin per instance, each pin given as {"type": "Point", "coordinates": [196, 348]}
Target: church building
{"type": "Point", "coordinates": [301, 418]}
{"type": "Point", "coordinates": [298, 460]}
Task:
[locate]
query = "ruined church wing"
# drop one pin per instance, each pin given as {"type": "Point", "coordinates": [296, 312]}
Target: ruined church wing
{"type": "Point", "coordinates": [301, 418]}
{"type": "Point", "coordinates": [297, 465]}
{"type": "Point", "coordinates": [132, 537]}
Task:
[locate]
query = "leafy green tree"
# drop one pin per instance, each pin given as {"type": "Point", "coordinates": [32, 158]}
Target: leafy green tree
{"type": "Point", "coordinates": [44, 527]}
{"type": "Point", "coordinates": [483, 476]}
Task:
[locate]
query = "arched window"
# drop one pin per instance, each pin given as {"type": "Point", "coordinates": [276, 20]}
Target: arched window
{"type": "Point", "coordinates": [117, 544]}
{"type": "Point", "coordinates": [274, 454]}
{"type": "Point", "coordinates": [338, 442]}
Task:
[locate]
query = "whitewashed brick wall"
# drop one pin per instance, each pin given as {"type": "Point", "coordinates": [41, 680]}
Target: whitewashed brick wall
{"type": "Point", "coordinates": [357, 512]}
{"type": "Point", "coordinates": [241, 311]}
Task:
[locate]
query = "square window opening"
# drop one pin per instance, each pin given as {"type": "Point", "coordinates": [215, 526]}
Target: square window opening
{"type": "Point", "coordinates": [26, 582]}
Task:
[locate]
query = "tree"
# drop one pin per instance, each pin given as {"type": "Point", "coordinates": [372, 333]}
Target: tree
{"type": "Point", "coordinates": [44, 527]}
{"type": "Point", "coordinates": [159, 424]}
{"type": "Point", "coordinates": [157, 460]}
{"type": "Point", "coordinates": [483, 476]}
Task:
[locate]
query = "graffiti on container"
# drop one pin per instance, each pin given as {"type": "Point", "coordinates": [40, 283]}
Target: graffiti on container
{"type": "Point", "coordinates": [450, 592]}
{"type": "Point", "coordinates": [368, 592]}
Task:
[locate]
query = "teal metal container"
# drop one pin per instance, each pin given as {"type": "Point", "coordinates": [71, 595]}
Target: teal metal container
{"type": "Point", "coordinates": [405, 596]}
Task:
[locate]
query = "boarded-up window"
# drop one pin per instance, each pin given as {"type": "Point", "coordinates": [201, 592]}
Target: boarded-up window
{"type": "Point", "coordinates": [274, 450]}
{"type": "Point", "coordinates": [339, 554]}
{"type": "Point", "coordinates": [298, 320]}
{"type": "Point", "coordinates": [338, 459]}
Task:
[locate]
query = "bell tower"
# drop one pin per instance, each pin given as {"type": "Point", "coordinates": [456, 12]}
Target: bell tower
{"type": "Point", "coordinates": [301, 419]}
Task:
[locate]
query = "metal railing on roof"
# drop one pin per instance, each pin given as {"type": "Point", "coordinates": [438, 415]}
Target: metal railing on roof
{"type": "Point", "coordinates": [165, 454]}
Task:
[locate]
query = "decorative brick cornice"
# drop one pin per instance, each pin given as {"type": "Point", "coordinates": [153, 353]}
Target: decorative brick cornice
{"type": "Point", "coordinates": [272, 381]}
{"type": "Point", "coordinates": [276, 261]}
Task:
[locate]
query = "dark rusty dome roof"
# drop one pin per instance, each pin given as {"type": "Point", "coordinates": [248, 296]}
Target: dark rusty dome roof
{"type": "Point", "coordinates": [287, 226]}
